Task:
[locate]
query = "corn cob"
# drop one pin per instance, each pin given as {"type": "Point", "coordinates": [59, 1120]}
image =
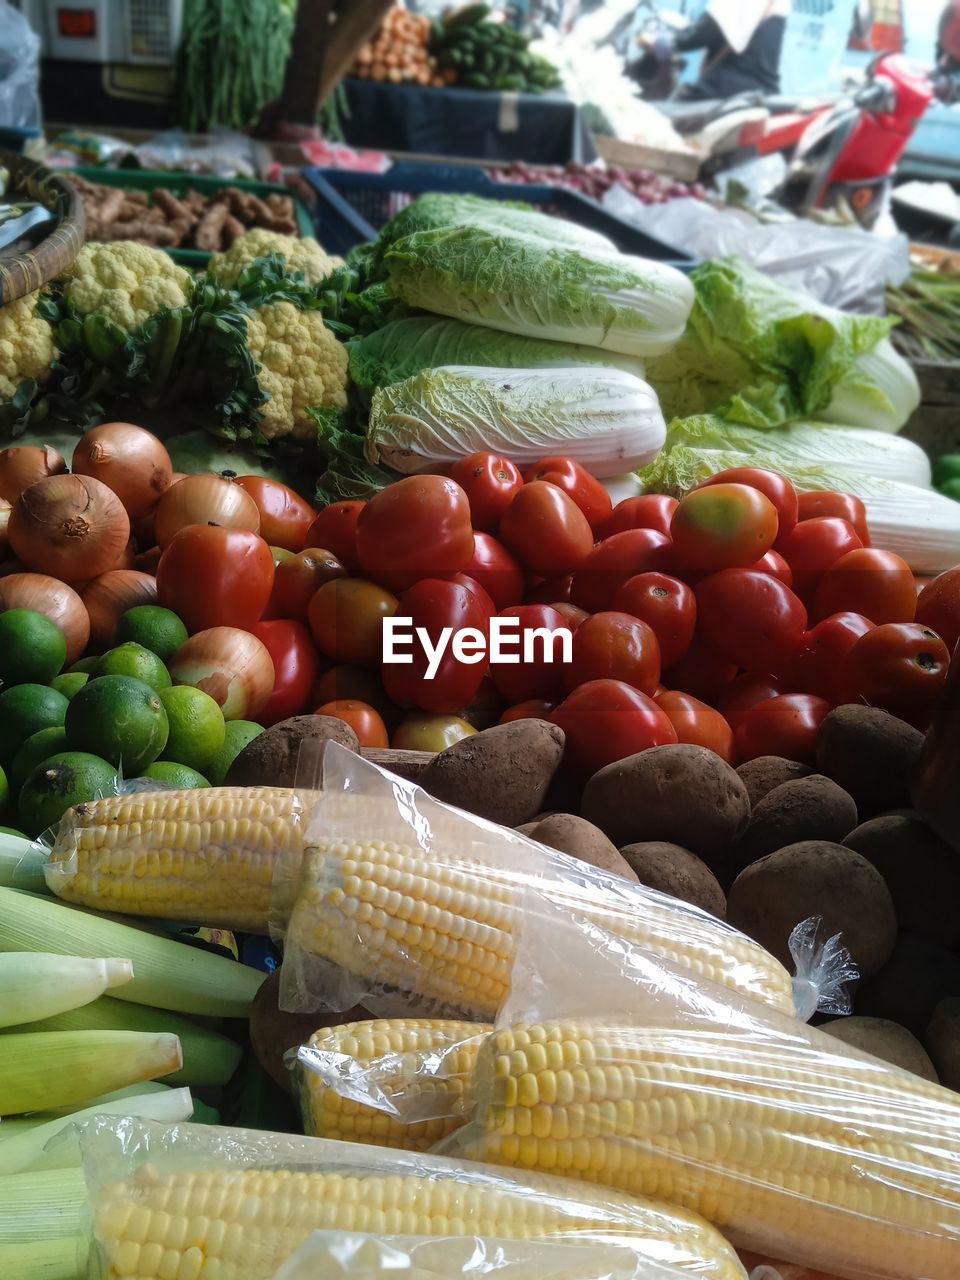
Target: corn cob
{"type": "Point", "coordinates": [417, 1069]}
{"type": "Point", "coordinates": [46, 1205]}
{"type": "Point", "coordinates": [43, 1259]}
{"type": "Point", "coordinates": [33, 987]}
{"type": "Point", "coordinates": [792, 1145]}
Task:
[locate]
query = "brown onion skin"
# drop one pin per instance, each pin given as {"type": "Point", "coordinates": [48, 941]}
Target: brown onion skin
{"type": "Point", "coordinates": [5, 509]}
{"type": "Point", "coordinates": [55, 600]}
{"type": "Point", "coordinates": [109, 596]}
{"type": "Point", "coordinates": [25, 464]}
{"type": "Point", "coordinates": [129, 460]}
{"type": "Point", "coordinates": [204, 499]}
{"type": "Point", "coordinates": [232, 666]}
{"type": "Point", "coordinates": [71, 527]}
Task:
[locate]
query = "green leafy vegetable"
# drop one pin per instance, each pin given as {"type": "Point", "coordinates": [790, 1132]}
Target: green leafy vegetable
{"type": "Point", "coordinates": [346, 471]}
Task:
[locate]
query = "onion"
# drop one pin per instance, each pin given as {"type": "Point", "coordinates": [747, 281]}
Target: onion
{"type": "Point", "coordinates": [72, 527]}
{"type": "Point", "coordinates": [25, 465]}
{"type": "Point", "coordinates": [205, 499]}
{"type": "Point", "coordinates": [55, 600]}
{"type": "Point", "coordinates": [110, 595]}
{"type": "Point", "coordinates": [5, 510]}
{"type": "Point", "coordinates": [130, 461]}
{"type": "Point", "coordinates": [233, 666]}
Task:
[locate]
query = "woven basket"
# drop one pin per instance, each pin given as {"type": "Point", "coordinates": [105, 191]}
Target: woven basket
{"type": "Point", "coordinates": [22, 273]}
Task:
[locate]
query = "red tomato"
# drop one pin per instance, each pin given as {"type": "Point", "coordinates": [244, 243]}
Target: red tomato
{"type": "Point", "coordinates": [666, 605]}
{"type": "Point", "coordinates": [938, 607]}
{"type": "Point", "coordinates": [613, 562]}
{"type": "Point", "coordinates": [877, 584]}
{"type": "Point", "coordinates": [784, 726]}
{"type": "Point", "coordinates": [750, 618]}
{"type": "Point", "coordinates": [464, 580]}
{"type": "Point", "coordinates": [614, 646]}
{"type": "Point", "coordinates": [901, 667]}
{"type": "Point", "coordinates": [365, 721]}
{"type": "Point", "coordinates": [490, 483]}
{"type": "Point", "coordinates": [701, 671]}
{"type": "Point", "coordinates": [607, 720]}
{"type": "Point", "coordinates": [648, 511]}
{"type": "Point", "coordinates": [295, 666]}
{"type": "Point", "coordinates": [356, 684]}
{"type": "Point", "coordinates": [496, 570]}
{"type": "Point", "coordinates": [744, 694]}
{"type": "Point", "coordinates": [484, 708]}
{"type": "Point", "coordinates": [773, 486]}
{"type": "Point", "coordinates": [549, 590]}
{"type": "Point", "coordinates": [546, 529]}
{"type": "Point", "coordinates": [725, 526]}
{"type": "Point", "coordinates": [532, 709]}
{"type": "Point", "coordinates": [285, 517]}
{"type": "Point", "coordinates": [415, 528]}
{"type": "Point", "coordinates": [215, 577]}
{"type": "Point", "coordinates": [335, 529]}
{"type": "Point", "coordinates": [774, 563]}
{"type": "Point", "coordinates": [698, 724]}
{"type": "Point", "coordinates": [518, 681]}
{"type": "Point", "coordinates": [571, 614]}
{"type": "Point", "coordinates": [813, 546]}
{"type": "Point", "coordinates": [436, 605]}
{"type": "Point", "coordinates": [346, 618]}
{"type": "Point", "coordinates": [844, 506]}
{"type": "Point", "coordinates": [817, 665]}
{"type": "Point", "coordinates": [298, 578]}
{"type": "Point", "coordinates": [586, 490]}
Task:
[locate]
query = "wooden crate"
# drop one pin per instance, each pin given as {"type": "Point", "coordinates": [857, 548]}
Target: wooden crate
{"type": "Point", "coordinates": [682, 165]}
{"type": "Point", "coordinates": [936, 424]}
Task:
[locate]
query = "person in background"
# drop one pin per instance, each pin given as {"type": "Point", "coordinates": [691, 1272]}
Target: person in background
{"type": "Point", "coordinates": [948, 38]}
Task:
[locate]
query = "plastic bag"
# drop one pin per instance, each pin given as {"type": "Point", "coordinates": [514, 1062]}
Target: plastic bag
{"type": "Point", "coordinates": [19, 70]}
{"type": "Point", "coordinates": [240, 1202]}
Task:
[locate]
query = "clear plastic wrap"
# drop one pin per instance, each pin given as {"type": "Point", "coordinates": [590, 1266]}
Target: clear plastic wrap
{"type": "Point", "coordinates": [192, 1201]}
{"type": "Point", "coordinates": [19, 71]}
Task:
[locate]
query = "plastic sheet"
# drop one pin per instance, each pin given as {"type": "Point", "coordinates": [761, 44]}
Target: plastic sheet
{"type": "Point", "coordinates": [19, 70]}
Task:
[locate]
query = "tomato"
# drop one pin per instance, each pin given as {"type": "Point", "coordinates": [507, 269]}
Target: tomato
{"type": "Point", "coordinates": [416, 528]}
{"type": "Point", "coordinates": [813, 546]}
{"type": "Point", "coordinates": [701, 671]}
{"type": "Point", "coordinates": [298, 578]}
{"type": "Point", "coordinates": [356, 684]}
{"type": "Point", "coordinates": [876, 583]}
{"type": "Point", "coordinates": [285, 517]}
{"type": "Point", "coordinates": [698, 724]}
{"type": "Point", "coordinates": [335, 529]}
{"type": "Point", "coordinates": [295, 666]}
{"type": "Point", "coordinates": [724, 526]}
{"type": "Point", "coordinates": [614, 562]}
{"type": "Point", "coordinates": [648, 511]}
{"type": "Point", "coordinates": [464, 580]}
{"type": "Point", "coordinates": [773, 486]}
{"type": "Point", "coordinates": [667, 606]}
{"type": "Point", "coordinates": [517, 681]}
{"type": "Point", "coordinates": [571, 614]}
{"type": "Point", "coordinates": [346, 618]}
{"type": "Point", "coordinates": [615, 646]}
{"type": "Point", "coordinates": [546, 530]}
{"type": "Point", "coordinates": [784, 726]}
{"type": "Point", "coordinates": [531, 709]}
{"type": "Point", "coordinates": [280, 554]}
{"type": "Point", "coordinates": [483, 709]}
{"type": "Point", "coordinates": [844, 506]}
{"type": "Point", "coordinates": [496, 570]}
{"type": "Point", "coordinates": [550, 590]}
{"type": "Point", "coordinates": [433, 606]}
{"type": "Point", "coordinates": [744, 693]}
{"type": "Point", "coordinates": [586, 490]}
{"type": "Point", "coordinates": [215, 577]}
{"type": "Point", "coordinates": [420, 732]}
{"type": "Point", "coordinates": [750, 618]}
{"type": "Point", "coordinates": [365, 721]}
{"type": "Point", "coordinates": [607, 720]}
{"type": "Point", "coordinates": [817, 665]}
{"type": "Point", "coordinates": [490, 483]}
{"type": "Point", "coordinates": [938, 607]}
{"type": "Point", "coordinates": [899, 666]}
{"type": "Point", "coordinates": [774, 563]}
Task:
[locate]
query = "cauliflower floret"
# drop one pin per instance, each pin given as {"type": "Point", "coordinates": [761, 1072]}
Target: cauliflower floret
{"type": "Point", "coordinates": [126, 282]}
{"type": "Point", "coordinates": [304, 255]}
{"type": "Point", "coordinates": [303, 366]}
{"type": "Point", "coordinates": [26, 344]}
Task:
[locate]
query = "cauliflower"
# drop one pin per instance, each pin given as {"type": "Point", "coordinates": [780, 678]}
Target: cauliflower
{"type": "Point", "coordinates": [26, 345]}
{"type": "Point", "coordinates": [125, 282]}
{"type": "Point", "coordinates": [304, 255]}
{"type": "Point", "coordinates": [303, 366]}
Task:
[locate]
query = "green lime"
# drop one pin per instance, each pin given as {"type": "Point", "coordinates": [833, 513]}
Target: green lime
{"type": "Point", "coordinates": [32, 648]}
{"type": "Point", "coordinates": [69, 683]}
{"type": "Point", "coordinates": [177, 775]}
{"type": "Point", "coordinates": [197, 729]}
{"type": "Point", "coordinates": [156, 629]}
{"type": "Point", "coordinates": [946, 468]}
{"type": "Point", "coordinates": [86, 665]}
{"type": "Point", "coordinates": [13, 831]}
{"type": "Point", "coordinates": [26, 709]}
{"type": "Point", "coordinates": [120, 719]}
{"type": "Point", "coordinates": [951, 488]}
{"type": "Point", "coordinates": [134, 660]}
{"type": "Point", "coordinates": [57, 784]}
{"type": "Point", "coordinates": [37, 748]}
{"type": "Point", "coordinates": [238, 734]}
{"type": "Point", "coordinates": [4, 791]}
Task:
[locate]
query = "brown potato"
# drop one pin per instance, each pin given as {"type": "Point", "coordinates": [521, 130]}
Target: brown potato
{"type": "Point", "coordinates": [677, 872]}
{"type": "Point", "coordinates": [273, 759]}
{"type": "Point", "coordinates": [580, 839]}
{"type": "Point", "coordinates": [871, 754]}
{"type": "Point", "coordinates": [943, 1041]}
{"type": "Point", "coordinates": [273, 1032]}
{"type": "Point", "coordinates": [811, 808]}
{"type": "Point", "coordinates": [762, 774]}
{"type": "Point", "coordinates": [919, 974]}
{"type": "Point", "coordinates": [885, 1040]}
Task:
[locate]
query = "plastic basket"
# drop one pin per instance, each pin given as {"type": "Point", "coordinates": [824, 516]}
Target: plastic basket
{"type": "Point", "coordinates": [373, 198]}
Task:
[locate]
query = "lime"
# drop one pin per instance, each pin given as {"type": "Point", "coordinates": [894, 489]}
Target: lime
{"type": "Point", "coordinates": [134, 660]}
{"type": "Point", "coordinates": [69, 683]}
{"type": "Point", "coordinates": [26, 709]}
{"type": "Point", "coordinates": [32, 648]}
{"type": "Point", "coordinates": [55, 785]}
{"type": "Point", "coordinates": [197, 729]}
{"type": "Point", "coordinates": [37, 748]}
{"type": "Point", "coordinates": [156, 629]}
{"type": "Point", "coordinates": [238, 734]}
{"type": "Point", "coordinates": [951, 488]}
{"type": "Point", "coordinates": [120, 719]}
{"type": "Point", "coordinates": [86, 665]}
{"type": "Point", "coordinates": [4, 791]}
{"type": "Point", "coordinates": [946, 468]}
{"type": "Point", "coordinates": [13, 831]}
{"type": "Point", "coordinates": [176, 775]}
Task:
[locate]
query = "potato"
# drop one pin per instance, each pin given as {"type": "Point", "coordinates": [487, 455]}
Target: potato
{"type": "Point", "coordinates": [677, 872]}
{"type": "Point", "coordinates": [943, 1041]}
{"type": "Point", "coordinates": [919, 974]}
{"type": "Point", "coordinates": [272, 759]}
{"type": "Point", "coordinates": [762, 774]}
{"type": "Point", "coordinates": [885, 1040]}
{"type": "Point", "coordinates": [680, 794]}
{"type": "Point", "coordinates": [273, 1032]}
{"type": "Point", "coordinates": [501, 774]}
{"type": "Point", "coordinates": [811, 808]}
{"type": "Point", "coordinates": [580, 839]}
{"type": "Point", "coordinates": [816, 878]}
{"type": "Point", "coordinates": [871, 754]}
{"type": "Point", "coordinates": [922, 872]}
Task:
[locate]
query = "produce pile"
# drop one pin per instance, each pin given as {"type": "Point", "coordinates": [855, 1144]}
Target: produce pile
{"type": "Point", "coordinates": [400, 52]}
{"type": "Point", "coordinates": [595, 180]}
{"type": "Point", "coordinates": [928, 307]}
